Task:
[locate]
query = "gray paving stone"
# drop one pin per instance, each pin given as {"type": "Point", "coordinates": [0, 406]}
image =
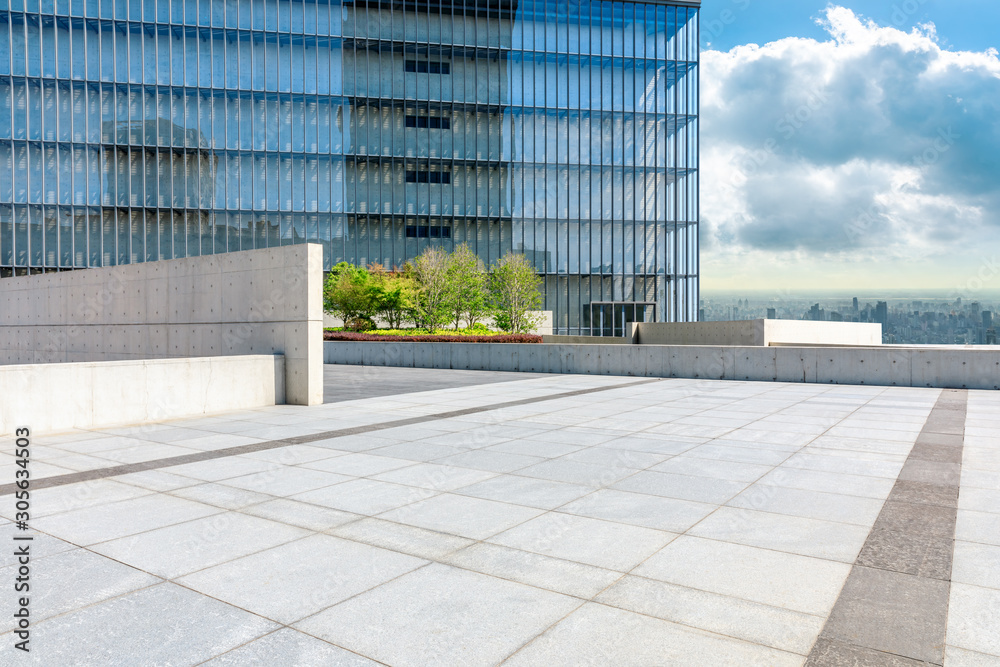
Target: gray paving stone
{"type": "Point", "coordinates": [574, 472]}
{"type": "Point", "coordinates": [933, 472]}
{"type": "Point", "coordinates": [917, 518]}
{"type": "Point", "coordinates": [829, 482]}
{"type": "Point", "coordinates": [73, 579]}
{"type": "Point", "coordinates": [529, 491]}
{"type": "Point", "coordinates": [800, 583]}
{"type": "Point", "coordinates": [473, 518]}
{"type": "Point", "coordinates": [292, 649]}
{"type": "Point", "coordinates": [939, 453]}
{"type": "Point", "coordinates": [179, 549]}
{"type": "Point", "coordinates": [81, 495]}
{"type": "Point", "coordinates": [365, 496]}
{"type": "Point", "coordinates": [405, 539]}
{"type": "Point", "coordinates": [972, 618]}
{"type": "Point", "coordinates": [925, 492]}
{"type": "Point", "coordinates": [298, 579]}
{"type": "Point", "coordinates": [977, 564]}
{"type": "Point", "coordinates": [303, 515]}
{"type": "Point", "coordinates": [891, 612]}
{"type": "Point", "coordinates": [219, 495]}
{"type": "Point", "coordinates": [129, 630]}
{"type": "Point", "coordinates": [440, 615]}
{"type": "Point", "coordinates": [358, 464]}
{"type": "Point", "coordinates": [792, 534]}
{"type": "Point", "coordinates": [918, 554]}
{"type": "Point", "coordinates": [941, 439]}
{"type": "Point", "coordinates": [829, 653]}
{"type": "Point", "coordinates": [809, 504]}
{"type": "Point", "coordinates": [554, 574]}
{"type": "Point", "coordinates": [286, 481]}
{"type": "Point", "coordinates": [762, 624]}
{"type": "Point", "coordinates": [716, 469]}
{"type": "Point", "coordinates": [613, 546]}
{"type": "Point", "coordinates": [640, 509]}
{"type": "Point", "coordinates": [434, 476]}
{"type": "Point", "coordinates": [599, 635]}
{"type": "Point", "coordinates": [982, 527]}
{"type": "Point", "coordinates": [493, 461]}
{"type": "Point", "coordinates": [127, 517]}
{"type": "Point", "coordinates": [682, 487]}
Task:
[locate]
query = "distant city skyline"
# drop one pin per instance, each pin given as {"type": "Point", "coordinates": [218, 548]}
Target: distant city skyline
{"type": "Point", "coordinates": [850, 146]}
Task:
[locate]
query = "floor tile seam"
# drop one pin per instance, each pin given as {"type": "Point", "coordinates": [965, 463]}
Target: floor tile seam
{"type": "Point", "coordinates": [946, 396]}
{"type": "Point", "coordinates": [142, 466]}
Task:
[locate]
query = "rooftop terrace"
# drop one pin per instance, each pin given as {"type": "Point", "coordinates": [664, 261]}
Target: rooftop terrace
{"type": "Point", "coordinates": [471, 518]}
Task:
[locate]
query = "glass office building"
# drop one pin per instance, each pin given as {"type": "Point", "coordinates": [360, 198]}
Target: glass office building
{"type": "Point", "coordinates": [567, 130]}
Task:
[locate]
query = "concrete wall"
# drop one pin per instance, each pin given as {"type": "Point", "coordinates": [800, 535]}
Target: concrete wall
{"type": "Point", "coordinates": [887, 366]}
{"type": "Point", "coordinates": [758, 333]}
{"type": "Point", "coordinates": [265, 301]}
{"type": "Point", "coordinates": [59, 397]}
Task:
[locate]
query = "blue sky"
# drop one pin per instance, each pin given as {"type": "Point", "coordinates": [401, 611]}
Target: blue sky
{"type": "Point", "coordinates": [850, 144]}
{"type": "Point", "coordinates": [971, 25]}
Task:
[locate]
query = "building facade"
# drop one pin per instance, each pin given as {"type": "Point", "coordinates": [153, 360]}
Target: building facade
{"type": "Point", "coordinates": [566, 130]}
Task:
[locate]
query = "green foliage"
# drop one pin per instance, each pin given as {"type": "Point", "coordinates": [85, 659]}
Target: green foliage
{"type": "Point", "coordinates": [467, 297]}
{"type": "Point", "coordinates": [515, 291]}
{"type": "Point", "coordinates": [434, 290]}
{"type": "Point", "coordinates": [349, 294]}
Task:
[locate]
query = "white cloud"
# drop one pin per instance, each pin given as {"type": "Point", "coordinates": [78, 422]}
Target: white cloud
{"type": "Point", "coordinates": [877, 145]}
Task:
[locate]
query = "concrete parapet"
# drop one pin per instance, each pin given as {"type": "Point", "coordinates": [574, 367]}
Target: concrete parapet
{"type": "Point", "coordinates": [267, 301]}
{"type": "Point", "coordinates": [56, 397]}
{"type": "Point", "coordinates": [966, 368]}
{"type": "Point", "coordinates": [760, 333]}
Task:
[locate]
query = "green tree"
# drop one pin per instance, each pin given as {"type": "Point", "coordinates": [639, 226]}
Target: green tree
{"type": "Point", "coordinates": [515, 291]}
{"type": "Point", "coordinates": [430, 270]}
{"type": "Point", "coordinates": [396, 295]}
{"type": "Point", "coordinates": [468, 298]}
{"type": "Point", "coordinates": [349, 294]}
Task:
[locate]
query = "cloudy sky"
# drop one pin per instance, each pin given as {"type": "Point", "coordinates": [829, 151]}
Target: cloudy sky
{"type": "Point", "coordinates": [851, 145]}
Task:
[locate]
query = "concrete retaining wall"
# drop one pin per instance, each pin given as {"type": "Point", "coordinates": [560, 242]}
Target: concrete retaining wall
{"type": "Point", "coordinates": [758, 333]}
{"type": "Point", "coordinates": [58, 397]}
{"type": "Point", "coordinates": [265, 301]}
{"type": "Point", "coordinates": [887, 366]}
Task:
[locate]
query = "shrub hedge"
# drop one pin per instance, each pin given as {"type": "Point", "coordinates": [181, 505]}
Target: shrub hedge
{"type": "Point", "coordinates": [431, 338]}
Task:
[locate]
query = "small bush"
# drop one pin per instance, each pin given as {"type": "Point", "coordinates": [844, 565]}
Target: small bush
{"type": "Point", "coordinates": [430, 338]}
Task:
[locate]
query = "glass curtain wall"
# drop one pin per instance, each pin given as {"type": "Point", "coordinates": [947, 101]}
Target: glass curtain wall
{"type": "Point", "coordinates": [567, 130]}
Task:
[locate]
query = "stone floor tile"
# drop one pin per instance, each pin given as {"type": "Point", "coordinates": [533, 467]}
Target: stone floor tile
{"type": "Point", "coordinates": [289, 648]}
{"type": "Point", "coordinates": [365, 496]}
{"type": "Point", "coordinates": [294, 580]}
{"type": "Point", "coordinates": [762, 624]}
{"type": "Point", "coordinates": [492, 461]}
{"type": "Point", "coordinates": [933, 472]}
{"type": "Point", "coordinates": [574, 472]}
{"type": "Point", "coordinates": [215, 470]}
{"type": "Point", "coordinates": [980, 500]}
{"type": "Point", "coordinates": [682, 487]}
{"type": "Point", "coordinates": [219, 495]}
{"type": "Point", "coordinates": [891, 612]}
{"type": "Point", "coordinates": [470, 619]}
{"type": "Point", "coordinates": [358, 464]}
{"type": "Point", "coordinates": [434, 476]}
{"type": "Point", "coordinates": [606, 544]}
{"type": "Point", "coordinates": [176, 550]}
{"type": "Point", "coordinates": [792, 534]}
{"type": "Point", "coordinates": [740, 454]}
{"type": "Point", "coordinates": [80, 495]}
{"type": "Point", "coordinates": [303, 515]}
{"type": "Point", "coordinates": [800, 583]}
{"type": "Point", "coordinates": [129, 630]}
{"type": "Point", "coordinates": [923, 492]}
{"type": "Point", "coordinates": [73, 579]}
{"type": "Point", "coordinates": [909, 553]}
{"type": "Point", "coordinates": [157, 480]}
{"type": "Point", "coordinates": [286, 480]}
{"type": "Point", "coordinates": [640, 509]}
{"type": "Point", "coordinates": [829, 482]}
{"type": "Point", "coordinates": [717, 469]}
{"type": "Point", "coordinates": [421, 452]}
{"type": "Point", "coordinates": [528, 491]}
{"type": "Point", "coordinates": [295, 454]}
{"type": "Point", "coordinates": [464, 516]}
{"type": "Point", "coordinates": [982, 527]}
{"type": "Point", "coordinates": [554, 574]}
{"type": "Point", "coordinates": [399, 537]}
{"type": "Point", "coordinates": [545, 450]}
{"type": "Point", "coordinates": [616, 458]}
{"type": "Point", "coordinates": [960, 657]}
{"type": "Point", "coordinates": [977, 564]}
{"type": "Point", "coordinates": [828, 653]}
{"type": "Point", "coordinates": [42, 545]}
{"type": "Point", "coordinates": [599, 635]}
{"type": "Point", "coordinates": [809, 504]}
{"type": "Point", "coordinates": [662, 444]}
{"type": "Point", "coordinates": [126, 517]}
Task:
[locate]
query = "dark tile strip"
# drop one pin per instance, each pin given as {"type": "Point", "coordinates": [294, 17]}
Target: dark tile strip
{"type": "Point", "coordinates": [893, 609]}
{"type": "Point", "coordinates": [101, 473]}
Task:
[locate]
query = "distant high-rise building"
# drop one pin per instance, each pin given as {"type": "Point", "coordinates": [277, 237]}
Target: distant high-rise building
{"type": "Point", "coordinates": [772, 314]}
{"type": "Point", "coordinates": [817, 314]}
{"type": "Point", "coordinates": [987, 319]}
{"type": "Point", "coordinates": [855, 304]}
{"type": "Point", "coordinates": [882, 313]}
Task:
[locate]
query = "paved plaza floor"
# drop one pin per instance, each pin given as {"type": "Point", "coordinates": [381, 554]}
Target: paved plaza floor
{"type": "Point", "coordinates": [456, 519]}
